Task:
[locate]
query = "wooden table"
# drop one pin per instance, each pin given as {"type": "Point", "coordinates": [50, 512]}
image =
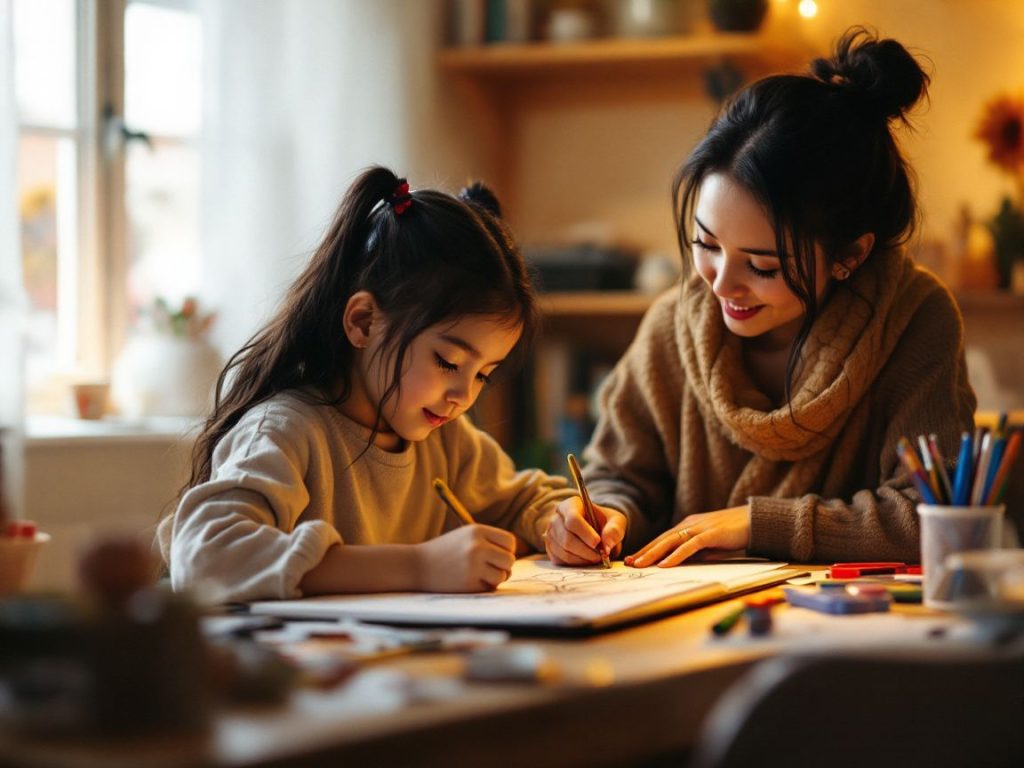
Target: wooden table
{"type": "Point", "coordinates": [628, 697]}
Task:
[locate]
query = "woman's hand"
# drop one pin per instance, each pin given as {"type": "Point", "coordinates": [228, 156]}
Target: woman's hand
{"type": "Point", "coordinates": [569, 540]}
{"type": "Point", "coordinates": [726, 529]}
{"type": "Point", "coordinates": [473, 558]}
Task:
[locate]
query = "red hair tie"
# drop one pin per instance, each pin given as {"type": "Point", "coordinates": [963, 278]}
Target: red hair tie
{"type": "Point", "coordinates": [400, 199]}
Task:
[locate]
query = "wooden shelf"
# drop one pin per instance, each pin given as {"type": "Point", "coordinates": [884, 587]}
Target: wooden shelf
{"type": "Point", "coordinates": [591, 303]}
{"type": "Point", "coordinates": [612, 55]}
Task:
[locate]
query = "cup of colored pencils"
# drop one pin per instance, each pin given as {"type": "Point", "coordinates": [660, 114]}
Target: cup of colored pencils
{"type": "Point", "coordinates": [962, 504]}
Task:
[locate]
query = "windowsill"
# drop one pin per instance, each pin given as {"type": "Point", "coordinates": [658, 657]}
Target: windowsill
{"type": "Point", "coordinates": [53, 431]}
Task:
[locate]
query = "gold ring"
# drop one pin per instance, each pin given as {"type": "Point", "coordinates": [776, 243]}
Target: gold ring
{"type": "Point", "coordinates": [683, 535]}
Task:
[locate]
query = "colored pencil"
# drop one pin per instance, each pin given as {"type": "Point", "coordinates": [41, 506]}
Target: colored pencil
{"type": "Point", "coordinates": [910, 460]}
{"type": "Point", "coordinates": [998, 447]}
{"type": "Point", "coordinates": [1002, 477]}
{"type": "Point", "coordinates": [981, 470]}
{"type": "Point", "coordinates": [961, 481]}
{"type": "Point", "coordinates": [929, 468]}
{"type": "Point", "coordinates": [940, 467]}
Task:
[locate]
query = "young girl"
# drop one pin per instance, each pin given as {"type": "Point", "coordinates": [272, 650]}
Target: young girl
{"type": "Point", "coordinates": [313, 473]}
{"type": "Point", "coordinates": [760, 404]}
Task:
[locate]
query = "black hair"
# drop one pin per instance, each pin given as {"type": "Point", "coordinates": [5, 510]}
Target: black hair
{"type": "Point", "coordinates": [817, 151]}
{"type": "Point", "coordinates": [425, 256]}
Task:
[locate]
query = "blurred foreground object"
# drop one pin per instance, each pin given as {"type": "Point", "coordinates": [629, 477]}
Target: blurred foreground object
{"type": "Point", "coordinates": [126, 657]}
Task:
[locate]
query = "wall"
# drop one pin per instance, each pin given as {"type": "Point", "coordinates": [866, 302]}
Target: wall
{"type": "Point", "coordinates": [623, 152]}
{"type": "Point", "coordinates": [80, 487]}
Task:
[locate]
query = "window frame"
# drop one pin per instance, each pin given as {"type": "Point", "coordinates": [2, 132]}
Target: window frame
{"type": "Point", "coordinates": [101, 312]}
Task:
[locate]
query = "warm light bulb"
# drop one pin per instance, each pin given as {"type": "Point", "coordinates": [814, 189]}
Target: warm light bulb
{"type": "Point", "coordinates": [808, 9]}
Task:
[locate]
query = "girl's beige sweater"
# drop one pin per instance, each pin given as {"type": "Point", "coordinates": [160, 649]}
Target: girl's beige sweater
{"type": "Point", "coordinates": [685, 430]}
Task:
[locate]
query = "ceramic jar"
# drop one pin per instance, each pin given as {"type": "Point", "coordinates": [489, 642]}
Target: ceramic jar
{"type": "Point", "coordinates": [159, 374]}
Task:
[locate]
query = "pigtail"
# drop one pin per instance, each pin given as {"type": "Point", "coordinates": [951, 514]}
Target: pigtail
{"type": "Point", "coordinates": [480, 195]}
{"type": "Point", "coordinates": [425, 256]}
{"type": "Point", "coordinates": [299, 346]}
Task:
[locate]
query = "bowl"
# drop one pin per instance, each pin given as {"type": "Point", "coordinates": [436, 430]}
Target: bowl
{"type": "Point", "coordinates": [17, 557]}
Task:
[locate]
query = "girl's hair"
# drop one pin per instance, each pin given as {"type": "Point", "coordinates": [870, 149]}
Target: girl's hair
{"type": "Point", "coordinates": [818, 153]}
{"type": "Point", "coordinates": [425, 256]}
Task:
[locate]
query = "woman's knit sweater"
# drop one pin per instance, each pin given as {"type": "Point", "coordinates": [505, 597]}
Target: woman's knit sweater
{"type": "Point", "coordinates": [685, 430]}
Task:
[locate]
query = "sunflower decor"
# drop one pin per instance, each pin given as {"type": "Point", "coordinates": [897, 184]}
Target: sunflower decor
{"type": "Point", "coordinates": [1001, 130]}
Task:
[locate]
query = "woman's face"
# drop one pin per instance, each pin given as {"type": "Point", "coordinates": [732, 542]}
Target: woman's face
{"type": "Point", "coordinates": [734, 252]}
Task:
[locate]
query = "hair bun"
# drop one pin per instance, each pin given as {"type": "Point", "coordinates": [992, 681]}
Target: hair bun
{"type": "Point", "coordinates": [881, 71]}
{"type": "Point", "coordinates": [480, 195]}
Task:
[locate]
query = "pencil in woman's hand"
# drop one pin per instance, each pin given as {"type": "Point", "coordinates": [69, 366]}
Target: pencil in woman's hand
{"type": "Point", "coordinates": [588, 507]}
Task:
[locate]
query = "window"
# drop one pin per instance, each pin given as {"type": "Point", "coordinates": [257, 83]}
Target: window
{"type": "Point", "coordinates": [109, 119]}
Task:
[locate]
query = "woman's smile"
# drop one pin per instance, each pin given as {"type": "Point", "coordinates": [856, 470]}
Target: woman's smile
{"type": "Point", "coordinates": [738, 312]}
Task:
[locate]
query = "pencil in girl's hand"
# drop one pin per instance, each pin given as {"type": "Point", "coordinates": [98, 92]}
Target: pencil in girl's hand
{"type": "Point", "coordinates": [962, 479]}
{"type": "Point", "coordinates": [910, 460]}
{"type": "Point", "coordinates": [452, 502]}
{"type": "Point", "coordinates": [588, 506]}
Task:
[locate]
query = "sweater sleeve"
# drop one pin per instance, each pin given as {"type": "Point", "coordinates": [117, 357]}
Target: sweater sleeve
{"type": "Point", "coordinates": [628, 462]}
{"type": "Point", "coordinates": [485, 479]}
{"type": "Point", "coordinates": [922, 390]}
{"type": "Point", "coordinates": [237, 537]}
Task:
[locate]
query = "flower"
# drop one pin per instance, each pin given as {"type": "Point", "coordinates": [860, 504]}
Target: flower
{"type": "Point", "coordinates": [1001, 130]}
{"type": "Point", "coordinates": [186, 323]}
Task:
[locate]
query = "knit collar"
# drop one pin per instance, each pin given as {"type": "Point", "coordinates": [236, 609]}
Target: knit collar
{"type": "Point", "coordinates": [853, 337]}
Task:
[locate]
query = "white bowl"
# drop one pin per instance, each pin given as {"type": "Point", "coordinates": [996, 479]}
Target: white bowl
{"type": "Point", "coordinates": [17, 556]}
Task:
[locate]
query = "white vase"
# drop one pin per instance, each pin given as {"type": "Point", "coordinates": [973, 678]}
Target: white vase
{"type": "Point", "coordinates": [158, 374]}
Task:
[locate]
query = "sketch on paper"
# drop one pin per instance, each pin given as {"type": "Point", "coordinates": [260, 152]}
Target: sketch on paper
{"type": "Point", "coordinates": [541, 594]}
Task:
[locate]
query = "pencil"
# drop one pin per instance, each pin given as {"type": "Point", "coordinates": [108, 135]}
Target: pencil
{"type": "Point", "coordinates": [452, 502]}
{"type": "Point", "coordinates": [588, 505]}
{"type": "Point", "coordinates": [998, 446]}
{"type": "Point", "coordinates": [940, 467]}
{"type": "Point", "coordinates": [929, 468]}
{"type": "Point", "coordinates": [727, 622]}
{"type": "Point", "coordinates": [981, 470]}
{"type": "Point", "coordinates": [962, 479]}
{"type": "Point", "coordinates": [909, 458]}
{"type": "Point", "coordinates": [1002, 478]}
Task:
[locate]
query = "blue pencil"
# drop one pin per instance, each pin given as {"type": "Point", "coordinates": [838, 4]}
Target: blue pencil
{"type": "Point", "coordinates": [998, 446]}
{"type": "Point", "coordinates": [962, 479]}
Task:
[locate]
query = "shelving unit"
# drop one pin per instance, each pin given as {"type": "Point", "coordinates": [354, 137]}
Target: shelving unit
{"type": "Point", "coordinates": [502, 87]}
{"type": "Point", "coordinates": [609, 56]}
{"type": "Point", "coordinates": [499, 83]}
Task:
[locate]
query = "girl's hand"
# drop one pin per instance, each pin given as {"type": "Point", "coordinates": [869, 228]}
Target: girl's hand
{"type": "Point", "coordinates": [726, 529]}
{"type": "Point", "coordinates": [569, 540]}
{"type": "Point", "coordinates": [473, 558]}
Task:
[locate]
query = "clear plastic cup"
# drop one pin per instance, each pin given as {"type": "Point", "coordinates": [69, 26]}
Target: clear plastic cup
{"type": "Point", "coordinates": [948, 530]}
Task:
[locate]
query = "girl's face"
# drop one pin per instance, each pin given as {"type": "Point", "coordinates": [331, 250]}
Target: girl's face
{"type": "Point", "coordinates": [734, 251]}
{"type": "Point", "coordinates": [445, 369]}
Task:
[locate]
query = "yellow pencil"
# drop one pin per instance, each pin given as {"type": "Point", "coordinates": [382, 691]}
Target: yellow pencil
{"type": "Point", "coordinates": [588, 505]}
{"type": "Point", "coordinates": [452, 502]}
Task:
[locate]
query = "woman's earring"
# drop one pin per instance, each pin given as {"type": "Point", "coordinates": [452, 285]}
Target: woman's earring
{"type": "Point", "coordinates": [840, 272]}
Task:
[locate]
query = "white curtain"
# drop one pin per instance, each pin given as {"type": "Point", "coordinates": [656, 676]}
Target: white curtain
{"type": "Point", "coordinates": [11, 295]}
{"type": "Point", "coordinates": [300, 96]}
